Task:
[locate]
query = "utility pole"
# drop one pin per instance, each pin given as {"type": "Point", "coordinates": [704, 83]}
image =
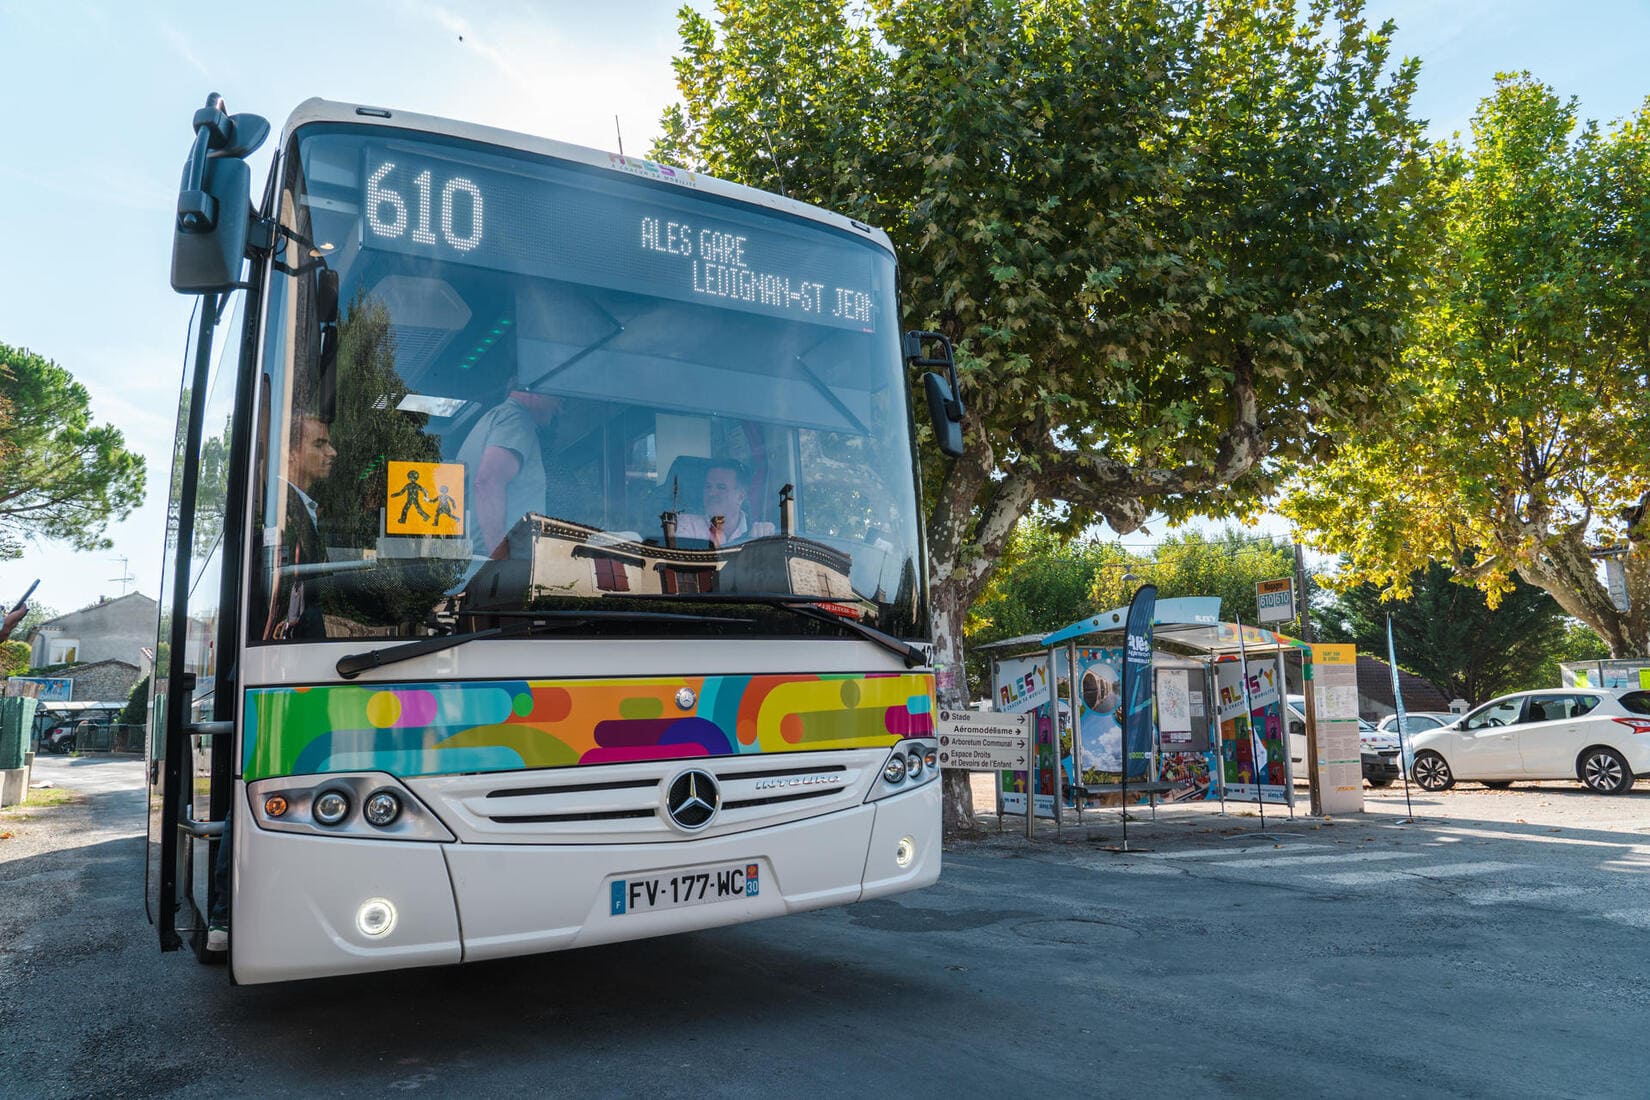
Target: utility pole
{"type": "Point", "coordinates": [1304, 594]}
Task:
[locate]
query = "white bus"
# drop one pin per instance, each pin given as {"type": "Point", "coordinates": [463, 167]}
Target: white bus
{"type": "Point", "coordinates": [544, 563]}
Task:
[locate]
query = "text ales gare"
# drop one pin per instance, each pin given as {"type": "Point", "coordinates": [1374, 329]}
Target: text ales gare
{"type": "Point", "coordinates": [720, 270]}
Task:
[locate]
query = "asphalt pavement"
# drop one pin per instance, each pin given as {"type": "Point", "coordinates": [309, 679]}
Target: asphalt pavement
{"type": "Point", "coordinates": [1492, 946]}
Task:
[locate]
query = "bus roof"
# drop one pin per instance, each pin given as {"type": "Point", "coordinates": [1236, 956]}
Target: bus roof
{"type": "Point", "coordinates": [322, 110]}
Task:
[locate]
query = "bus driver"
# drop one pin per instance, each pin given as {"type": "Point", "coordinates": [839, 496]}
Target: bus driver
{"type": "Point", "coordinates": [725, 520]}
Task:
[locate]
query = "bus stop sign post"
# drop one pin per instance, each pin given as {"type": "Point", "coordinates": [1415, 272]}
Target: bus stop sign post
{"type": "Point", "coordinates": [979, 741]}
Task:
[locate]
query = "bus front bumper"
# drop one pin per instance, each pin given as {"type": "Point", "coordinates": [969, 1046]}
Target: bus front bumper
{"type": "Point", "coordinates": [306, 912]}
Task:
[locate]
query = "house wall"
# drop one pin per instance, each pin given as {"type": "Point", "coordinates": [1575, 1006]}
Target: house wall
{"type": "Point", "coordinates": [114, 630]}
{"type": "Point", "coordinates": [103, 682]}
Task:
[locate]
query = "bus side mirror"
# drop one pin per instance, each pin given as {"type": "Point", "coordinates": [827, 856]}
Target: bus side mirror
{"type": "Point", "coordinates": [209, 235]}
{"type": "Point", "coordinates": [947, 432]}
{"type": "Point", "coordinates": [945, 407]}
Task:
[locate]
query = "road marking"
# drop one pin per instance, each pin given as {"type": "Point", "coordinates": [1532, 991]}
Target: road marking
{"type": "Point", "coordinates": [1446, 870]}
{"type": "Point", "coordinates": [1633, 918]}
{"type": "Point", "coordinates": [1353, 856]}
{"type": "Point", "coordinates": [1543, 838]}
{"type": "Point", "coordinates": [1515, 895]}
{"type": "Point", "coordinates": [1227, 853]}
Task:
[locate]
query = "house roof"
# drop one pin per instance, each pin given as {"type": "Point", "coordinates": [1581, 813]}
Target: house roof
{"type": "Point", "coordinates": [1375, 684]}
{"type": "Point", "coordinates": [38, 627]}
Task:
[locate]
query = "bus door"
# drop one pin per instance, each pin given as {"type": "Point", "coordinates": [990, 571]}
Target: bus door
{"type": "Point", "coordinates": [191, 750]}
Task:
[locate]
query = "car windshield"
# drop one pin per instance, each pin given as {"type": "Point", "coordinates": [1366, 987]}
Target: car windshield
{"type": "Point", "coordinates": [496, 383]}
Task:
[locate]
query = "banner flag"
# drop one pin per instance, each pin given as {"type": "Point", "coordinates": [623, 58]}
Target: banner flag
{"type": "Point", "coordinates": [1137, 684]}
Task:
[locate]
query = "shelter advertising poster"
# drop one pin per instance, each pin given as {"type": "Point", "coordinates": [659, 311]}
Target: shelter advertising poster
{"type": "Point", "coordinates": [1099, 699]}
{"type": "Point", "coordinates": [1186, 741]}
{"type": "Point", "coordinates": [1022, 684]}
{"type": "Point", "coordinates": [1013, 793]}
{"type": "Point", "coordinates": [1174, 706]}
{"type": "Point", "coordinates": [1190, 773]}
{"type": "Point", "coordinates": [1254, 749]}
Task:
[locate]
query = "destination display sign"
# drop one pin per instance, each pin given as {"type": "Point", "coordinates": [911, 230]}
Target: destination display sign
{"type": "Point", "coordinates": [985, 741]}
{"type": "Point", "coordinates": [554, 222]}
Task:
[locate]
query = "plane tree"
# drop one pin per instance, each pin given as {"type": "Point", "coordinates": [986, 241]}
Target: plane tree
{"type": "Point", "coordinates": [1524, 443]}
{"type": "Point", "coordinates": [1173, 242]}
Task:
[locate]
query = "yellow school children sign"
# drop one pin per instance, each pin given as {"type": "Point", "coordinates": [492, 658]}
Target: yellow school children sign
{"type": "Point", "coordinates": [424, 498]}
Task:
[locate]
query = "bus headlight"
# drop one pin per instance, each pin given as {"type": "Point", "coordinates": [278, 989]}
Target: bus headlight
{"type": "Point", "coordinates": [375, 918]}
{"type": "Point", "coordinates": [330, 807]}
{"type": "Point", "coordinates": [911, 763]}
{"type": "Point", "coordinates": [382, 808]}
{"type": "Point", "coordinates": [325, 805]}
{"type": "Point", "coordinates": [894, 770]}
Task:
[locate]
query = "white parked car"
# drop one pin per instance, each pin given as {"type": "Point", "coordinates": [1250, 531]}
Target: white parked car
{"type": "Point", "coordinates": [1599, 737]}
{"type": "Point", "coordinates": [1378, 750]}
{"type": "Point", "coordinates": [1419, 720]}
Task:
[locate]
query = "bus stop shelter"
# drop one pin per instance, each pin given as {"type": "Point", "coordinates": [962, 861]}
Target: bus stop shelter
{"type": "Point", "coordinates": [1221, 727]}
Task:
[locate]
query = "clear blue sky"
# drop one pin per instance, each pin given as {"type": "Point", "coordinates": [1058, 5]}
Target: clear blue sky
{"type": "Point", "coordinates": [94, 124]}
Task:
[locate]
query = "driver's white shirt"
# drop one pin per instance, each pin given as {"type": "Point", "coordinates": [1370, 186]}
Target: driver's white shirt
{"type": "Point", "coordinates": [690, 525]}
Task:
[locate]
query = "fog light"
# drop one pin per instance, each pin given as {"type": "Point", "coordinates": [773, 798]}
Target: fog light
{"type": "Point", "coordinates": [382, 808]}
{"type": "Point", "coordinates": [375, 918]}
{"type": "Point", "coordinates": [331, 807]}
{"type": "Point", "coordinates": [275, 805]}
{"type": "Point", "coordinates": [894, 770]}
{"type": "Point", "coordinates": [906, 852]}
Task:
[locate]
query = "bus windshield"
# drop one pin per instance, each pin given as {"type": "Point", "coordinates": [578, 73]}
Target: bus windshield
{"type": "Point", "coordinates": [495, 383]}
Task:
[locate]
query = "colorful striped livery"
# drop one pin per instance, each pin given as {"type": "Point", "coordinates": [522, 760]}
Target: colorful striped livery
{"type": "Point", "coordinates": [416, 729]}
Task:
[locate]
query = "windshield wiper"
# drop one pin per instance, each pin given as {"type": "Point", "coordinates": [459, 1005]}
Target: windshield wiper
{"type": "Point", "coordinates": [807, 607]}
{"type": "Point", "coordinates": [352, 665]}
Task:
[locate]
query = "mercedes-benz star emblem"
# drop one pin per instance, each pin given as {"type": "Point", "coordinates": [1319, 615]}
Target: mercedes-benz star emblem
{"type": "Point", "coordinates": [693, 799]}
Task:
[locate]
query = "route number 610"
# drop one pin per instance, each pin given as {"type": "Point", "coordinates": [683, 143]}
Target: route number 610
{"type": "Point", "coordinates": [382, 200]}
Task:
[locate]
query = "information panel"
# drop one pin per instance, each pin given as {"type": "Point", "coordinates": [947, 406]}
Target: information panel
{"type": "Point", "coordinates": [985, 741]}
{"type": "Point", "coordinates": [1335, 697]}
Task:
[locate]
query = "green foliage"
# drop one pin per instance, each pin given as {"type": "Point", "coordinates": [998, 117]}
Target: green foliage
{"type": "Point", "coordinates": [61, 476]}
{"type": "Point", "coordinates": [1228, 566]}
{"type": "Point", "coordinates": [1524, 431]}
{"type": "Point", "coordinates": [1578, 643]}
{"type": "Point", "coordinates": [1044, 582]}
{"type": "Point", "coordinates": [1174, 242]}
{"type": "Point", "coordinates": [38, 613]}
{"type": "Point", "coordinates": [14, 658]}
{"type": "Point", "coordinates": [1446, 631]}
{"type": "Point", "coordinates": [136, 712]}
{"type": "Point", "coordinates": [1049, 579]}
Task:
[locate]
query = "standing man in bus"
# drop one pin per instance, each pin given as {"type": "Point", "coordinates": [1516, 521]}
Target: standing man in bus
{"type": "Point", "coordinates": [295, 607]}
{"type": "Point", "coordinates": [505, 464]}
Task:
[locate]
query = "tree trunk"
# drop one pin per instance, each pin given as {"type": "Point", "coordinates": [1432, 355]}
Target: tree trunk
{"type": "Point", "coordinates": [948, 611]}
{"type": "Point", "coordinates": [1566, 570]}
